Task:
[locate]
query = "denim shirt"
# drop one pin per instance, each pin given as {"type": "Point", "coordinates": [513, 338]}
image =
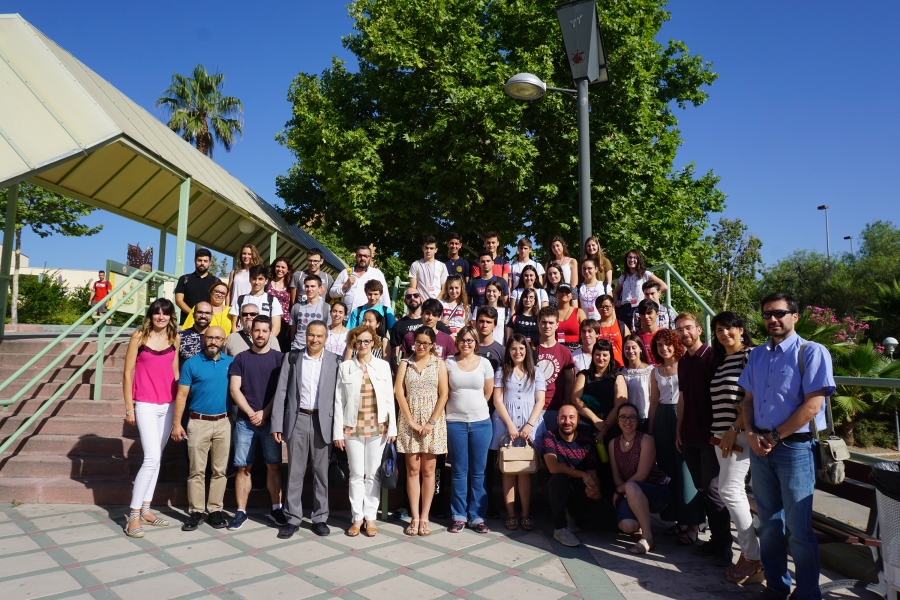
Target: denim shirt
{"type": "Point", "coordinates": [772, 375]}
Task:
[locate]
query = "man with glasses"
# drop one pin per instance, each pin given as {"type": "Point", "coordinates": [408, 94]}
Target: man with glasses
{"type": "Point", "coordinates": [427, 274]}
{"type": "Point", "coordinates": [240, 341]}
{"type": "Point", "coordinates": [203, 383]}
{"type": "Point", "coordinates": [192, 339]}
{"type": "Point", "coordinates": [194, 287]}
{"type": "Point", "coordinates": [350, 284]}
{"type": "Point", "coordinates": [411, 321]}
{"type": "Point", "coordinates": [298, 288]}
{"type": "Point", "coordinates": [782, 398]}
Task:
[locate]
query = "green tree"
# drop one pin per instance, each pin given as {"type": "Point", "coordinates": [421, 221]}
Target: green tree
{"type": "Point", "coordinates": [422, 140]}
{"type": "Point", "coordinates": [732, 264]}
{"type": "Point", "coordinates": [45, 213]}
{"type": "Point", "coordinates": [200, 113]}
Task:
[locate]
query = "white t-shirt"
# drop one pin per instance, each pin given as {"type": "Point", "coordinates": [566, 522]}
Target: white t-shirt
{"type": "Point", "coordinates": [466, 403]}
{"type": "Point", "coordinates": [356, 294]}
{"type": "Point", "coordinates": [515, 271]}
{"type": "Point", "coordinates": [517, 293]}
{"type": "Point", "coordinates": [430, 279]}
{"type": "Point", "coordinates": [582, 360]}
{"type": "Point", "coordinates": [262, 304]}
{"type": "Point", "coordinates": [588, 296]}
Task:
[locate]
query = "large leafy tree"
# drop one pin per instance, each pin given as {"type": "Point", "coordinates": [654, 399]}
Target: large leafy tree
{"type": "Point", "coordinates": [45, 213]}
{"type": "Point", "coordinates": [728, 275]}
{"type": "Point", "coordinates": [422, 140]}
{"type": "Point", "coordinates": [200, 113]}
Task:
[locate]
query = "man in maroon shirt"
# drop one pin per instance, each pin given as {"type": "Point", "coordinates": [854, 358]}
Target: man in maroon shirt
{"type": "Point", "coordinates": [695, 372]}
{"type": "Point", "coordinates": [555, 361]}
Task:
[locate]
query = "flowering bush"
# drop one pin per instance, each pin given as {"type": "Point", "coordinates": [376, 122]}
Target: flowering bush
{"type": "Point", "coordinates": [846, 330]}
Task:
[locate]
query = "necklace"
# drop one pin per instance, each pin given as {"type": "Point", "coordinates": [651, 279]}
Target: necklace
{"type": "Point", "coordinates": [628, 442]}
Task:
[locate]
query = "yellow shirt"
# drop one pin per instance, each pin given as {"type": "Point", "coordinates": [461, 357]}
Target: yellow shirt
{"type": "Point", "coordinates": [222, 320]}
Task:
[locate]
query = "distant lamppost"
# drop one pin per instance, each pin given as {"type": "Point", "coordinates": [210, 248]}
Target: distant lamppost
{"type": "Point", "coordinates": [850, 237]}
{"type": "Point", "coordinates": [827, 237]}
{"type": "Point", "coordinates": [586, 56]}
{"type": "Point", "coordinates": [890, 344]}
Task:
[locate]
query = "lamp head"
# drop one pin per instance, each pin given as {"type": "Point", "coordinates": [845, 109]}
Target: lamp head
{"type": "Point", "coordinates": [848, 237]}
{"type": "Point", "coordinates": [525, 86]}
{"type": "Point", "coordinates": [823, 207]}
{"type": "Point", "coordinates": [890, 344]}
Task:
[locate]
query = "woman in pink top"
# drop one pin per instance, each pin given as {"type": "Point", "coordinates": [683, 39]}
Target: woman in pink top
{"type": "Point", "coordinates": [151, 370]}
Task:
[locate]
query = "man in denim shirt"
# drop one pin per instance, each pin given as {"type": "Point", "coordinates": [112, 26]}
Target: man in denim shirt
{"type": "Point", "coordinates": [778, 405]}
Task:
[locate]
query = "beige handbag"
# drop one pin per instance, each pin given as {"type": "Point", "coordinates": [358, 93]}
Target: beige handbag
{"type": "Point", "coordinates": [516, 460]}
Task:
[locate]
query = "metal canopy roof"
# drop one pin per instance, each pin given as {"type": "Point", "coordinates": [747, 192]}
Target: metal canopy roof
{"type": "Point", "coordinates": [66, 129]}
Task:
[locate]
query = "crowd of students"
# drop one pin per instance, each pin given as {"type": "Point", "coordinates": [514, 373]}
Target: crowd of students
{"type": "Point", "coordinates": [633, 414]}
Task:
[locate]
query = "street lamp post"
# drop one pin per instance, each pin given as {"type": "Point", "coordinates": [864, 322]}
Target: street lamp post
{"type": "Point", "coordinates": [827, 237]}
{"type": "Point", "coordinates": [850, 237]}
{"type": "Point", "coordinates": [890, 344]}
{"type": "Point", "coordinates": [586, 56]}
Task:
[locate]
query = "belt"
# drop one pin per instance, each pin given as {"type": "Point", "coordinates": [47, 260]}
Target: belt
{"type": "Point", "coordinates": [208, 417]}
{"type": "Point", "coordinates": [308, 412]}
{"type": "Point", "coordinates": [794, 437]}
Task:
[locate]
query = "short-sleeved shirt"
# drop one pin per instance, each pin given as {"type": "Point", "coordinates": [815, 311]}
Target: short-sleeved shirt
{"type": "Point", "coordinates": [493, 352]}
{"type": "Point", "coordinates": [457, 266]}
{"type": "Point", "coordinates": [357, 314]}
{"type": "Point", "coordinates": [466, 402]}
{"type": "Point", "coordinates": [515, 271]}
{"type": "Point", "coordinates": [208, 380]}
{"type": "Point", "coordinates": [772, 375]}
{"type": "Point", "coordinates": [265, 303]}
{"type": "Point", "coordinates": [259, 377]}
{"type": "Point", "coordinates": [443, 342]}
{"type": "Point", "coordinates": [430, 278]}
{"type": "Point", "coordinates": [298, 280]}
{"type": "Point", "coordinates": [406, 324]}
{"type": "Point", "coordinates": [553, 361]}
{"type": "Point", "coordinates": [195, 289]}
{"type": "Point", "coordinates": [695, 373]}
{"type": "Point", "coordinates": [236, 343]}
{"type": "Point", "coordinates": [101, 290]}
{"type": "Point", "coordinates": [516, 293]}
{"type": "Point", "coordinates": [578, 454]}
{"type": "Point", "coordinates": [527, 325]}
{"type": "Point", "coordinates": [302, 314]}
{"type": "Point", "coordinates": [501, 268]}
{"type": "Point", "coordinates": [588, 297]}
{"type": "Point", "coordinates": [191, 343]}
{"type": "Point", "coordinates": [475, 289]}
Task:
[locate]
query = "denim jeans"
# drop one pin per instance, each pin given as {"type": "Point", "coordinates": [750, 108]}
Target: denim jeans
{"type": "Point", "coordinates": [468, 445]}
{"type": "Point", "coordinates": [783, 483]}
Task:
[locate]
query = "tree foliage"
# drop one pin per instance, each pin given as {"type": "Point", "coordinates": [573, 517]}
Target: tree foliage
{"type": "Point", "coordinates": [732, 263]}
{"type": "Point", "coordinates": [422, 140]}
{"type": "Point", "coordinates": [200, 113]}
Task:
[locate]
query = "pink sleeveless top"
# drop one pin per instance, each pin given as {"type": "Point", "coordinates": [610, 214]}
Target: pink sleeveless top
{"type": "Point", "coordinates": [154, 379]}
{"type": "Point", "coordinates": [628, 462]}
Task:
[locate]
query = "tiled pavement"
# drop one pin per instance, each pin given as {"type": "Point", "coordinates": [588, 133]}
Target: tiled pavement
{"type": "Point", "coordinates": [73, 551]}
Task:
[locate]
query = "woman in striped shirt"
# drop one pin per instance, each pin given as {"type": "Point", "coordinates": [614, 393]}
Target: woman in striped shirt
{"type": "Point", "coordinates": [733, 343]}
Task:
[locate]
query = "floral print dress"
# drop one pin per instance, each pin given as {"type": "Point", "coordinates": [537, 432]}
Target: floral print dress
{"type": "Point", "coordinates": [422, 395]}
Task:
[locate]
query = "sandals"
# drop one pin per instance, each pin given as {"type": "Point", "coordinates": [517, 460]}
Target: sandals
{"type": "Point", "coordinates": [154, 522]}
{"type": "Point", "coordinates": [688, 538]}
{"type": "Point", "coordinates": [480, 528]}
{"type": "Point", "coordinates": [413, 528]}
{"type": "Point", "coordinates": [512, 524]}
{"type": "Point", "coordinates": [676, 530]}
{"type": "Point", "coordinates": [353, 531]}
{"type": "Point", "coordinates": [527, 524]}
{"type": "Point", "coordinates": [134, 533]}
{"type": "Point", "coordinates": [745, 571]}
{"type": "Point", "coordinates": [424, 528]}
{"type": "Point", "coordinates": [642, 546]}
{"type": "Point", "coordinates": [371, 529]}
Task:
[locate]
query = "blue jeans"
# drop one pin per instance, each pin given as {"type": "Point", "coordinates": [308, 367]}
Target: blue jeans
{"type": "Point", "coordinates": [783, 483]}
{"type": "Point", "coordinates": [246, 435]}
{"type": "Point", "coordinates": [468, 446]}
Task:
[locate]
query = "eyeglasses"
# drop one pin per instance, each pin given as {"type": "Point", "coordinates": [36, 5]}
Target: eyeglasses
{"type": "Point", "coordinates": [210, 338]}
{"type": "Point", "coordinates": [606, 307]}
{"type": "Point", "coordinates": [422, 344]}
{"type": "Point", "coordinates": [364, 342]}
{"type": "Point", "coordinates": [363, 256]}
{"type": "Point", "coordinates": [631, 258]}
{"type": "Point", "coordinates": [249, 314]}
{"type": "Point", "coordinates": [778, 314]}
{"type": "Point", "coordinates": [467, 341]}
{"type": "Point", "coordinates": [218, 293]}
{"type": "Point", "coordinates": [413, 296]}
{"type": "Point", "coordinates": [628, 419]}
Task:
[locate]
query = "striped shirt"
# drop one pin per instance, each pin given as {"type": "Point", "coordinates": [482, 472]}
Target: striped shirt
{"type": "Point", "coordinates": [578, 454]}
{"type": "Point", "coordinates": [725, 392]}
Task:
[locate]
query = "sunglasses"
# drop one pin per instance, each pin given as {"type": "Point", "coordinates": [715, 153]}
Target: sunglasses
{"type": "Point", "coordinates": [249, 314]}
{"type": "Point", "coordinates": [778, 314]}
{"type": "Point", "coordinates": [412, 296]}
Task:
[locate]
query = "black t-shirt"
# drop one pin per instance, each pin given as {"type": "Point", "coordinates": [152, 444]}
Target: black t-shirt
{"type": "Point", "coordinates": [475, 289]}
{"type": "Point", "coordinates": [259, 377]}
{"type": "Point", "coordinates": [457, 266]}
{"type": "Point", "coordinates": [494, 353]}
{"type": "Point", "coordinates": [407, 324]}
{"type": "Point", "coordinates": [195, 289]}
{"type": "Point", "coordinates": [527, 325]}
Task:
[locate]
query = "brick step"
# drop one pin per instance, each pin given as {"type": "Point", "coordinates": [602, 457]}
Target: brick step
{"type": "Point", "coordinates": [84, 445]}
{"type": "Point", "coordinates": [75, 360]}
{"type": "Point", "coordinates": [59, 425]}
{"type": "Point", "coordinates": [76, 407]}
{"type": "Point", "coordinates": [87, 467]}
{"type": "Point", "coordinates": [111, 372]}
{"type": "Point", "coordinates": [111, 390]}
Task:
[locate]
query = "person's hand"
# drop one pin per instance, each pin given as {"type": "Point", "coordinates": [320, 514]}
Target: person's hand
{"type": "Point", "coordinates": [131, 416]}
{"type": "Point", "coordinates": [393, 438]}
{"type": "Point", "coordinates": [678, 440]}
{"type": "Point", "coordinates": [427, 428]}
{"type": "Point", "coordinates": [615, 498]}
{"type": "Point", "coordinates": [758, 444]}
{"type": "Point", "coordinates": [621, 489]}
{"type": "Point", "coordinates": [339, 444]}
{"type": "Point", "coordinates": [177, 432]}
{"type": "Point", "coordinates": [276, 435]}
{"type": "Point", "coordinates": [513, 432]}
{"type": "Point", "coordinates": [618, 303]}
{"type": "Point", "coordinates": [446, 321]}
{"type": "Point", "coordinates": [256, 418]}
{"type": "Point", "coordinates": [526, 433]}
{"type": "Point", "coordinates": [592, 491]}
{"type": "Point", "coordinates": [418, 430]}
{"type": "Point", "coordinates": [727, 443]}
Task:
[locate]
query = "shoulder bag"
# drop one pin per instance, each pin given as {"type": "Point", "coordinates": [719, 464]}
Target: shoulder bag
{"type": "Point", "coordinates": [388, 470]}
{"type": "Point", "coordinates": [515, 460]}
{"type": "Point", "coordinates": [832, 451]}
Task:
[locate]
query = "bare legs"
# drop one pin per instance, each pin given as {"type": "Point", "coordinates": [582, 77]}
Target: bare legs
{"type": "Point", "coordinates": [242, 485]}
{"type": "Point", "coordinates": [421, 493]}
{"type": "Point", "coordinates": [639, 505]}
{"type": "Point", "coordinates": [523, 483]}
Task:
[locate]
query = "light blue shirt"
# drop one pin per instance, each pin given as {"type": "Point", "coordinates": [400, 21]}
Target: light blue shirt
{"type": "Point", "coordinates": [772, 375]}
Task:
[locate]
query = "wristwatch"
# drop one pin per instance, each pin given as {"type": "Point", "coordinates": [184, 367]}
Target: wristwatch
{"type": "Point", "coordinates": [775, 436]}
{"type": "Point", "coordinates": [432, 422]}
{"type": "Point", "coordinates": [736, 429]}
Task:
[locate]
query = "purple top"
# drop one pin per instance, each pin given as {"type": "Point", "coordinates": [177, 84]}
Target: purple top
{"type": "Point", "coordinates": [154, 378]}
{"type": "Point", "coordinates": [629, 460]}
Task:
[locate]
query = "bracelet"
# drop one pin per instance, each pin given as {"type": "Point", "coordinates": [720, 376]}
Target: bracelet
{"type": "Point", "coordinates": [528, 423]}
{"type": "Point", "coordinates": [128, 412]}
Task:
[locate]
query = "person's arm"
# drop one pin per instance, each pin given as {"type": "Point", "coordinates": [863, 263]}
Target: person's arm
{"type": "Point", "coordinates": [503, 414]}
{"type": "Point", "coordinates": [178, 412]}
{"type": "Point", "coordinates": [616, 473]}
{"type": "Point", "coordinates": [488, 383]}
{"type": "Point", "coordinates": [337, 288]}
{"type": "Point", "coordinates": [400, 395]}
{"type": "Point", "coordinates": [617, 294]}
{"type": "Point", "coordinates": [230, 285]}
{"type": "Point", "coordinates": [276, 427]}
{"type": "Point", "coordinates": [337, 428]}
{"type": "Point", "coordinates": [443, 395]}
{"type": "Point", "coordinates": [654, 401]}
{"type": "Point", "coordinates": [293, 299]}
{"type": "Point", "coordinates": [621, 392]}
{"type": "Point", "coordinates": [234, 386]}
{"type": "Point", "coordinates": [627, 331]}
{"type": "Point", "coordinates": [678, 419]}
{"type": "Point", "coordinates": [554, 466]}
{"type": "Point", "coordinates": [179, 300]}
{"type": "Point", "coordinates": [540, 397]}
{"type": "Point", "coordinates": [175, 365]}
{"type": "Point", "coordinates": [607, 278]}
{"type": "Point", "coordinates": [128, 376]}
{"type": "Point", "coordinates": [413, 280]}
{"type": "Point", "coordinates": [581, 407]}
{"type": "Point", "coordinates": [662, 284]}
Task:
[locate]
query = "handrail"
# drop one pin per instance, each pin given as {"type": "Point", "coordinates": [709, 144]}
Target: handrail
{"type": "Point", "coordinates": [708, 312]}
{"type": "Point", "coordinates": [875, 382]}
{"type": "Point", "coordinates": [101, 323]}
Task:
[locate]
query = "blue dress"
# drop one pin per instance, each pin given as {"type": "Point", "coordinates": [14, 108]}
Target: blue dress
{"type": "Point", "coordinates": [518, 398]}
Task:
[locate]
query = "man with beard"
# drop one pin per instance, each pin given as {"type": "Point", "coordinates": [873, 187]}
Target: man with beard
{"type": "Point", "coordinates": [192, 338]}
{"type": "Point", "coordinates": [411, 321]}
{"type": "Point", "coordinates": [350, 284]}
{"type": "Point", "coordinates": [204, 382]}
{"type": "Point", "coordinates": [194, 287]}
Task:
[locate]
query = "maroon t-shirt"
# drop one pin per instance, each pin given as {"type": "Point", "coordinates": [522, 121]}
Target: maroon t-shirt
{"type": "Point", "coordinates": [553, 361]}
{"type": "Point", "coordinates": [695, 373]}
{"type": "Point", "coordinates": [444, 343]}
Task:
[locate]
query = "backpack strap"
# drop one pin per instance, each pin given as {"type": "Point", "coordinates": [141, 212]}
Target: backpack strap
{"type": "Point", "coordinates": [240, 301]}
{"type": "Point", "coordinates": [271, 299]}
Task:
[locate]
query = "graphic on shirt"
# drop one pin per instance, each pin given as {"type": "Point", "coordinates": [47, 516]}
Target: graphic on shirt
{"type": "Point", "coordinates": [459, 269]}
{"type": "Point", "coordinates": [549, 365]}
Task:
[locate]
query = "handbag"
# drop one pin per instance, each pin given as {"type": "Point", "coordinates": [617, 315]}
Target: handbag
{"type": "Point", "coordinates": [517, 459]}
{"type": "Point", "coordinates": [831, 452]}
{"type": "Point", "coordinates": [338, 470]}
{"type": "Point", "coordinates": [388, 469]}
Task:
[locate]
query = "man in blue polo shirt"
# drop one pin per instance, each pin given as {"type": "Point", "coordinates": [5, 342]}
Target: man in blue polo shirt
{"type": "Point", "coordinates": [781, 398]}
{"type": "Point", "coordinates": [204, 382]}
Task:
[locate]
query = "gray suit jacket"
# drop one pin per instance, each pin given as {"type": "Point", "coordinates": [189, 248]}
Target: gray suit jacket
{"type": "Point", "coordinates": [287, 396]}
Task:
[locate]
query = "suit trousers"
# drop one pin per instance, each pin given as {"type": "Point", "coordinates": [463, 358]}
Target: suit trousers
{"type": "Point", "coordinates": [306, 445]}
{"type": "Point", "coordinates": [207, 439]}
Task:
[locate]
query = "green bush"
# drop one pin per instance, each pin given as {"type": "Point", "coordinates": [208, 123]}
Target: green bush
{"type": "Point", "coordinates": [875, 430]}
{"type": "Point", "coordinates": [45, 300]}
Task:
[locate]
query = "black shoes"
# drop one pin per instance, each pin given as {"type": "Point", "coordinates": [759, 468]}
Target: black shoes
{"type": "Point", "coordinates": [193, 522]}
{"type": "Point", "coordinates": [287, 531]}
{"type": "Point", "coordinates": [217, 520]}
{"type": "Point", "coordinates": [277, 515]}
{"type": "Point", "coordinates": [321, 529]}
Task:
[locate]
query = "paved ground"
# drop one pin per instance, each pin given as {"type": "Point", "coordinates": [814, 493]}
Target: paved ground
{"type": "Point", "coordinates": [74, 551]}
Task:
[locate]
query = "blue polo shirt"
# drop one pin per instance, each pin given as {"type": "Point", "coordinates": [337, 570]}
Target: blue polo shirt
{"type": "Point", "coordinates": [772, 375]}
{"type": "Point", "coordinates": [208, 380]}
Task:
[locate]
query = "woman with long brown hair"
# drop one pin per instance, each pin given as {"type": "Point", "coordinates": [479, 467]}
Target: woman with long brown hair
{"type": "Point", "coordinates": [279, 287]}
{"type": "Point", "coordinates": [148, 385]}
{"type": "Point", "coordinates": [559, 255]}
{"type": "Point", "coordinates": [239, 278]}
{"type": "Point", "coordinates": [629, 290]}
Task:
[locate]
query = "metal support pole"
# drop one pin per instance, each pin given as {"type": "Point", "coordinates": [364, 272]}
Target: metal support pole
{"type": "Point", "coordinates": [668, 289]}
{"type": "Point", "coordinates": [584, 162]}
{"type": "Point", "coordinates": [827, 237]}
{"type": "Point", "coordinates": [706, 328]}
{"type": "Point", "coordinates": [273, 247]}
{"type": "Point", "coordinates": [101, 354]}
{"type": "Point", "coordinates": [9, 240]}
{"type": "Point", "coordinates": [161, 264]}
{"type": "Point", "coordinates": [181, 235]}
{"type": "Point", "coordinates": [897, 428]}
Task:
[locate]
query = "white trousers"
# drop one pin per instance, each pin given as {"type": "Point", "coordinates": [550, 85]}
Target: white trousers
{"type": "Point", "coordinates": [364, 456]}
{"type": "Point", "coordinates": [154, 421]}
{"type": "Point", "coordinates": [732, 474]}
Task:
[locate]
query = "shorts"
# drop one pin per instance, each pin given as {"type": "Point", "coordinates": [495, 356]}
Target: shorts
{"type": "Point", "coordinates": [658, 497]}
{"type": "Point", "coordinates": [100, 306]}
{"type": "Point", "coordinates": [246, 435]}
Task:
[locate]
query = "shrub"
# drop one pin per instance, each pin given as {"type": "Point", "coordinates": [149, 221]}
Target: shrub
{"type": "Point", "coordinates": [875, 430]}
{"type": "Point", "coordinates": [42, 299]}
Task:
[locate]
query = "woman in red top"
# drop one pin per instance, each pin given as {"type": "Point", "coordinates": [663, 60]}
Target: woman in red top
{"type": "Point", "coordinates": [570, 318]}
{"type": "Point", "coordinates": [610, 328]}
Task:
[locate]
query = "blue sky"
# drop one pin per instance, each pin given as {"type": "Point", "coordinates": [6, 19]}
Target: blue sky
{"type": "Point", "coordinates": [804, 112]}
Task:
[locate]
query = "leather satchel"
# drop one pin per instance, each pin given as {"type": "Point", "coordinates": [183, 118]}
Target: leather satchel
{"type": "Point", "coordinates": [831, 452]}
{"type": "Point", "coordinates": [389, 473]}
{"type": "Point", "coordinates": [517, 460]}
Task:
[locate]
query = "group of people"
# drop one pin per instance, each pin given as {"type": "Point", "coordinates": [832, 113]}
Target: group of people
{"type": "Point", "coordinates": [618, 393]}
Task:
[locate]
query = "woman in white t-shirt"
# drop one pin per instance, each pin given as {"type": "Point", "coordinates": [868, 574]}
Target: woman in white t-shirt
{"type": "Point", "coordinates": [528, 281]}
{"type": "Point", "coordinates": [469, 431]}
{"type": "Point", "coordinates": [455, 303]}
{"type": "Point", "coordinates": [629, 290]}
{"type": "Point", "coordinates": [590, 289]}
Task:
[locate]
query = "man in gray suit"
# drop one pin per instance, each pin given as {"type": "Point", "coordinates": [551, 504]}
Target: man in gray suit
{"type": "Point", "coordinates": [302, 413]}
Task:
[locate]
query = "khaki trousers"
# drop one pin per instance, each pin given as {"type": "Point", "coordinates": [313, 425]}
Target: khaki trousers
{"type": "Point", "coordinates": [207, 439]}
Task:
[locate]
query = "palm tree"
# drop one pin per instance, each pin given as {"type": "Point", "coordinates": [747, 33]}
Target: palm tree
{"type": "Point", "coordinates": [199, 111]}
{"type": "Point", "coordinates": [849, 400]}
{"type": "Point", "coordinates": [884, 310]}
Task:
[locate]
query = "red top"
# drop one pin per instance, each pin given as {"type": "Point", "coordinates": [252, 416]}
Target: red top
{"type": "Point", "coordinates": [154, 378]}
{"type": "Point", "coordinates": [628, 461]}
{"type": "Point", "coordinates": [569, 330]}
{"type": "Point", "coordinates": [101, 290]}
{"type": "Point", "coordinates": [613, 333]}
{"type": "Point", "coordinates": [647, 339]}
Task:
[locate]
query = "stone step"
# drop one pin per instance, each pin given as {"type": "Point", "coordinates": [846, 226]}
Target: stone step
{"type": "Point", "coordinates": [76, 407]}
{"type": "Point", "coordinates": [63, 425]}
{"type": "Point", "coordinates": [113, 370]}
{"type": "Point", "coordinates": [88, 467]}
{"type": "Point", "coordinates": [17, 360]}
{"type": "Point", "coordinates": [111, 390]}
{"type": "Point", "coordinates": [84, 445]}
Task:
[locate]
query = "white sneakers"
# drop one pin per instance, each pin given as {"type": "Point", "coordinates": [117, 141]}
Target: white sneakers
{"type": "Point", "coordinates": [572, 523]}
{"type": "Point", "coordinates": [565, 537]}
